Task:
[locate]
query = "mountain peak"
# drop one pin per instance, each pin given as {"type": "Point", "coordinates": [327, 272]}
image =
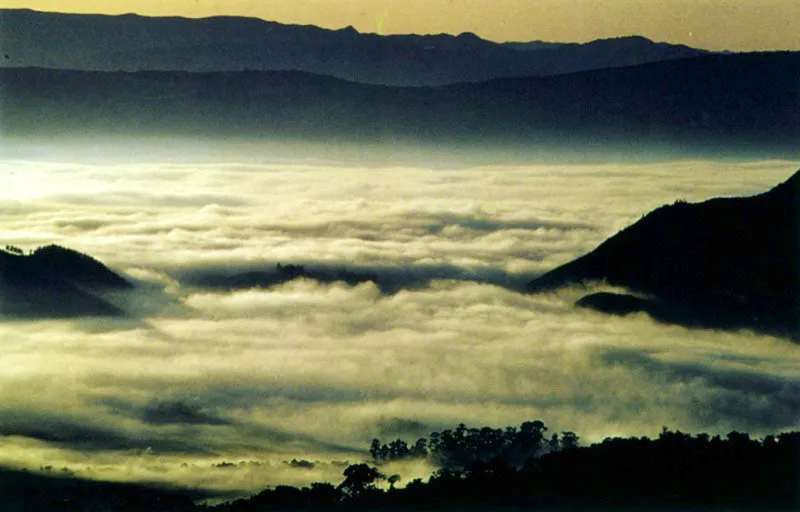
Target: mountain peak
{"type": "Point", "coordinates": [468, 35]}
{"type": "Point", "coordinates": [632, 38]}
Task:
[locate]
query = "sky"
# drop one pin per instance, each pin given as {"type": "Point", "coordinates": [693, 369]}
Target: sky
{"type": "Point", "coordinates": [200, 375]}
{"type": "Point", "coordinates": [738, 25]}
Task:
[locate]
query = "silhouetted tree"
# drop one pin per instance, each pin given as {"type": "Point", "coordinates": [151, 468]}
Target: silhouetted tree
{"type": "Point", "coordinates": [569, 440]}
{"type": "Point", "coordinates": [398, 449]}
{"type": "Point", "coordinates": [358, 479]}
{"type": "Point", "coordinates": [461, 447]}
{"type": "Point", "coordinates": [674, 471]}
{"type": "Point", "coordinates": [375, 449]}
{"type": "Point", "coordinates": [554, 444]}
{"type": "Point", "coordinates": [420, 448]}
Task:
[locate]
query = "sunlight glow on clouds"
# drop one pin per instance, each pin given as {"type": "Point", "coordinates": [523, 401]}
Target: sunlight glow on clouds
{"type": "Point", "coordinates": [259, 376]}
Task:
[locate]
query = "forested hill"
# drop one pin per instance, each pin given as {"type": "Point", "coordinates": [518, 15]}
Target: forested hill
{"type": "Point", "coordinates": [676, 470]}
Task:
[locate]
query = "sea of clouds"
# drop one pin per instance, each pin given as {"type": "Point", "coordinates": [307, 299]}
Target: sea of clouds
{"type": "Point", "coordinates": [222, 389]}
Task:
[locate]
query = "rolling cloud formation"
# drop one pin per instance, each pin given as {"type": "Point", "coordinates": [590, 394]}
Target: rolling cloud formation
{"type": "Point", "coordinates": [221, 387]}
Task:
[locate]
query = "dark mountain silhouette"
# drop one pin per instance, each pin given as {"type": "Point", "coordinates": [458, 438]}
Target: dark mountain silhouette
{"type": "Point", "coordinates": [80, 269]}
{"type": "Point", "coordinates": [133, 43]}
{"type": "Point", "coordinates": [55, 489]}
{"type": "Point", "coordinates": [726, 262]}
{"type": "Point", "coordinates": [674, 471]}
{"type": "Point", "coordinates": [717, 105]}
{"type": "Point", "coordinates": [55, 282]}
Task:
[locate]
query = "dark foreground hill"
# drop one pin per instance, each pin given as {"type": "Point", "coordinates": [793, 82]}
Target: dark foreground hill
{"type": "Point", "coordinates": [22, 491]}
{"type": "Point", "coordinates": [225, 43]}
{"type": "Point", "coordinates": [676, 471]}
{"type": "Point", "coordinates": [54, 282]}
{"type": "Point", "coordinates": [746, 104]}
{"type": "Point", "coordinates": [726, 262]}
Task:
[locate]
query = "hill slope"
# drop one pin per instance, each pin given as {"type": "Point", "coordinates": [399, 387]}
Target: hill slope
{"type": "Point", "coordinates": [24, 490]}
{"type": "Point", "coordinates": [54, 282]}
{"type": "Point", "coordinates": [726, 262]}
{"type": "Point", "coordinates": [132, 43]}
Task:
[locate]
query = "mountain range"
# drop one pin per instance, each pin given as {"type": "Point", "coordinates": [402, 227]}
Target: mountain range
{"type": "Point", "coordinates": [135, 43]}
{"type": "Point", "coordinates": [712, 105]}
{"type": "Point", "coordinates": [722, 263]}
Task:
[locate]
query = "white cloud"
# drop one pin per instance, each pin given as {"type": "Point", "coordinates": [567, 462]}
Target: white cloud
{"type": "Point", "coordinates": [315, 371]}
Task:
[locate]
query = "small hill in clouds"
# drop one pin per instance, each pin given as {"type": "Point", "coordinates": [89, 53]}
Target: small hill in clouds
{"type": "Point", "coordinates": [77, 268]}
{"type": "Point", "coordinates": [225, 43]}
{"type": "Point", "coordinates": [55, 282]}
{"type": "Point", "coordinates": [282, 274]}
{"type": "Point", "coordinates": [723, 263]}
{"type": "Point", "coordinates": [744, 104]}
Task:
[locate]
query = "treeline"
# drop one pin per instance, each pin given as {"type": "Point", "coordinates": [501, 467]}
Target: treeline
{"type": "Point", "coordinates": [674, 470]}
{"type": "Point", "coordinates": [13, 249]}
{"type": "Point", "coordinates": [462, 447]}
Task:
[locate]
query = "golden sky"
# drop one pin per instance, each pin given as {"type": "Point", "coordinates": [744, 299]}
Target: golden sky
{"type": "Point", "coordinates": [711, 24]}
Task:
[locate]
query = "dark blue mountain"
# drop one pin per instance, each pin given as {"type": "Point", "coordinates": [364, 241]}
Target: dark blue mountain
{"type": "Point", "coordinates": [54, 490]}
{"type": "Point", "coordinates": [224, 43]}
{"type": "Point", "coordinates": [743, 104]}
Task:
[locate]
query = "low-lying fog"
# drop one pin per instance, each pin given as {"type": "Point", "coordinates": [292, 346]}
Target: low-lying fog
{"type": "Point", "coordinates": [201, 376]}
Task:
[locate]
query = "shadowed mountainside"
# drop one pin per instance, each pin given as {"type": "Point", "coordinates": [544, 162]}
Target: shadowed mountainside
{"type": "Point", "coordinates": [226, 43]}
{"type": "Point", "coordinates": [22, 491]}
{"type": "Point", "coordinates": [726, 262]}
{"type": "Point", "coordinates": [747, 104]}
{"type": "Point", "coordinates": [55, 282]}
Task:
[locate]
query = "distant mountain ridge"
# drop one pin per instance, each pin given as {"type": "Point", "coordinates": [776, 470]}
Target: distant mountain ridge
{"type": "Point", "coordinates": [744, 104]}
{"type": "Point", "coordinates": [224, 43]}
{"type": "Point", "coordinates": [725, 262]}
{"type": "Point", "coordinates": [55, 282]}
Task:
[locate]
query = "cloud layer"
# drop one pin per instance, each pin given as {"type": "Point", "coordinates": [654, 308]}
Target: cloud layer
{"type": "Point", "coordinates": [219, 388]}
